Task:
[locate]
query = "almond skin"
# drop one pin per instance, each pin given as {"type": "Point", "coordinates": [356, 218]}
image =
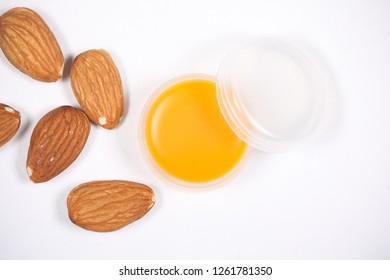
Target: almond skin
{"type": "Point", "coordinates": [9, 123]}
{"type": "Point", "coordinates": [105, 206]}
{"type": "Point", "coordinates": [30, 45]}
{"type": "Point", "coordinates": [56, 142]}
{"type": "Point", "coordinates": [97, 86]}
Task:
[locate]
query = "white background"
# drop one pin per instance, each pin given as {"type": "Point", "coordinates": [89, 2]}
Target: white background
{"type": "Point", "coordinates": [329, 199]}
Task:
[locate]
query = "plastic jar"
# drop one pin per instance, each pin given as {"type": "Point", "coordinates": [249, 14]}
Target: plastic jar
{"type": "Point", "coordinates": [270, 93]}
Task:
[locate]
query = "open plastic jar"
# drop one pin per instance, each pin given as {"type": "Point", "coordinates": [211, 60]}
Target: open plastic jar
{"type": "Point", "coordinates": [197, 130]}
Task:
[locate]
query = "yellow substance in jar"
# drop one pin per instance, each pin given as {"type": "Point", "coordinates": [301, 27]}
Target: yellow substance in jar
{"type": "Point", "coordinates": [187, 135]}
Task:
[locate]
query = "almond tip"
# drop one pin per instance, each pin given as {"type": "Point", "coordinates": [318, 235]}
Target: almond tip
{"type": "Point", "coordinates": [102, 120]}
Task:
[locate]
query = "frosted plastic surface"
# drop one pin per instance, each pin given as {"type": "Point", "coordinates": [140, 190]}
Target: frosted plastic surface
{"type": "Point", "coordinates": [272, 94]}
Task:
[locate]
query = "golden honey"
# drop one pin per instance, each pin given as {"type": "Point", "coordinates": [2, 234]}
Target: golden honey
{"type": "Point", "coordinates": [187, 136]}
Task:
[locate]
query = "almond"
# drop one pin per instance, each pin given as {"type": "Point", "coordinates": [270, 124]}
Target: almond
{"type": "Point", "coordinates": [97, 86]}
{"type": "Point", "coordinates": [9, 123]}
{"type": "Point", "coordinates": [105, 206]}
{"type": "Point", "coordinates": [30, 45]}
{"type": "Point", "coordinates": [56, 142]}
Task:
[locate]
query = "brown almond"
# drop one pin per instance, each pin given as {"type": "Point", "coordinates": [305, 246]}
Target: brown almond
{"type": "Point", "coordinates": [97, 86]}
{"type": "Point", "coordinates": [56, 142]}
{"type": "Point", "coordinates": [30, 45]}
{"type": "Point", "coordinates": [105, 206]}
{"type": "Point", "coordinates": [9, 123]}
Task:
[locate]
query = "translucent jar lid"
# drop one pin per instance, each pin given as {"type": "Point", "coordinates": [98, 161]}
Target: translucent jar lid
{"type": "Point", "coordinates": [271, 94]}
